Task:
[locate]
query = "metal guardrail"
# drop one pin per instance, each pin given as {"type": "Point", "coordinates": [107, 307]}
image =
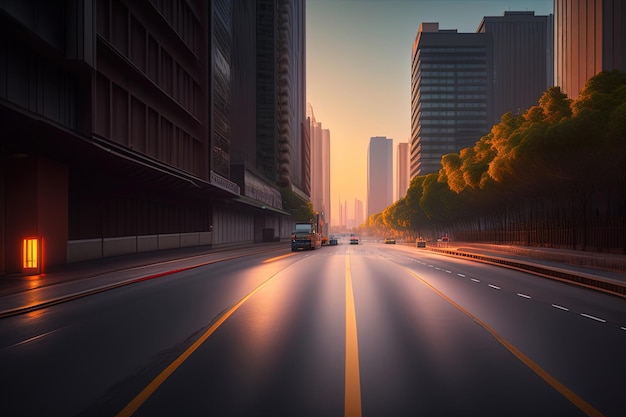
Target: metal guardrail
{"type": "Point", "coordinates": [577, 278]}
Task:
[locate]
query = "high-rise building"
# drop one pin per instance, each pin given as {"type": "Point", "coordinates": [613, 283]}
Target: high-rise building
{"type": "Point", "coordinates": [320, 166]}
{"type": "Point", "coordinates": [280, 71]}
{"type": "Point", "coordinates": [379, 174]}
{"type": "Point", "coordinates": [220, 91]}
{"type": "Point", "coordinates": [522, 59]}
{"type": "Point", "coordinates": [589, 38]}
{"type": "Point", "coordinates": [121, 140]}
{"type": "Point", "coordinates": [358, 212]}
{"type": "Point", "coordinates": [451, 88]}
{"type": "Point", "coordinates": [257, 116]}
{"type": "Point", "coordinates": [402, 170]}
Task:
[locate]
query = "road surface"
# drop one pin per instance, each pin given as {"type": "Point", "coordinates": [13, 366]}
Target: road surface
{"type": "Point", "coordinates": [347, 330]}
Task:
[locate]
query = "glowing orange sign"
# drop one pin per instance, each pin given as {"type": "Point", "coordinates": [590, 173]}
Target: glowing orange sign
{"type": "Point", "coordinates": [30, 253]}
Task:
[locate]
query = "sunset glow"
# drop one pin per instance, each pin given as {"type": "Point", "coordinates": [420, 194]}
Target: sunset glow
{"type": "Point", "coordinates": [358, 73]}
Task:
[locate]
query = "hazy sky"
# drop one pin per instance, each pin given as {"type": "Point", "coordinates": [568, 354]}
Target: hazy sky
{"type": "Point", "coordinates": [358, 72]}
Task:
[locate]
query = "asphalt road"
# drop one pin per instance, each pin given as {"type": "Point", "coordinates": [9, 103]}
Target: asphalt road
{"type": "Point", "coordinates": [370, 329]}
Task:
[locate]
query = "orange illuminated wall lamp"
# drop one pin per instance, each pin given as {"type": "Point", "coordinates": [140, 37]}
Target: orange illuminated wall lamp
{"type": "Point", "coordinates": [32, 259]}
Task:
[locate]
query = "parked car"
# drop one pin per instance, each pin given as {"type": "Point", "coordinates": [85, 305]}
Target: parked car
{"type": "Point", "coordinates": [390, 240]}
{"type": "Point", "coordinates": [332, 241]}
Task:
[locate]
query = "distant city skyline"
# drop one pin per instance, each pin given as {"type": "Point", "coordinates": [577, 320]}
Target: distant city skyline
{"type": "Point", "coordinates": [358, 71]}
{"type": "Point", "coordinates": [320, 166]}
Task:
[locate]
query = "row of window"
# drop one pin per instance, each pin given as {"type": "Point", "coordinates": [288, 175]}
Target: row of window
{"type": "Point", "coordinates": [454, 58]}
{"type": "Point", "coordinates": [451, 88]}
{"type": "Point", "coordinates": [437, 130]}
{"type": "Point", "coordinates": [454, 50]}
{"type": "Point", "coordinates": [425, 65]}
{"type": "Point", "coordinates": [131, 38]}
{"type": "Point", "coordinates": [449, 81]}
{"type": "Point", "coordinates": [435, 113]}
{"type": "Point", "coordinates": [182, 19]}
{"type": "Point", "coordinates": [127, 120]}
{"type": "Point", "coordinates": [443, 122]}
{"type": "Point", "coordinates": [433, 96]}
{"type": "Point", "coordinates": [459, 74]}
{"type": "Point", "coordinates": [440, 105]}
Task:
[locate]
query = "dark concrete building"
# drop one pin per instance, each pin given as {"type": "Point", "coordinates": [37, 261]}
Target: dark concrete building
{"type": "Point", "coordinates": [522, 59]}
{"type": "Point", "coordinates": [269, 91]}
{"type": "Point", "coordinates": [115, 132]}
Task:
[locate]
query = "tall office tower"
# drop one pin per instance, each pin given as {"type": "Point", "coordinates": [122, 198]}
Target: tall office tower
{"type": "Point", "coordinates": [589, 38]}
{"type": "Point", "coordinates": [220, 76]}
{"type": "Point", "coordinates": [320, 166]}
{"type": "Point", "coordinates": [402, 167]}
{"type": "Point", "coordinates": [523, 59]}
{"type": "Point", "coordinates": [281, 92]}
{"type": "Point", "coordinates": [379, 174]}
{"type": "Point", "coordinates": [269, 126]}
{"type": "Point", "coordinates": [358, 212]}
{"type": "Point", "coordinates": [451, 88]}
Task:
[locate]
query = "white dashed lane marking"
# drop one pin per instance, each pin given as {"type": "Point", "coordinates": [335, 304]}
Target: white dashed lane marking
{"type": "Point", "coordinates": [589, 316]}
{"type": "Point", "coordinates": [522, 295]}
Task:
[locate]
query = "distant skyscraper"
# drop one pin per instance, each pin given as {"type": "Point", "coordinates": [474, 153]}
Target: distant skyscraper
{"type": "Point", "coordinates": [523, 59]}
{"type": "Point", "coordinates": [402, 169]}
{"type": "Point", "coordinates": [320, 166]}
{"type": "Point", "coordinates": [451, 86]}
{"type": "Point", "coordinates": [379, 174]}
{"type": "Point", "coordinates": [589, 38]}
{"type": "Point", "coordinates": [358, 212]}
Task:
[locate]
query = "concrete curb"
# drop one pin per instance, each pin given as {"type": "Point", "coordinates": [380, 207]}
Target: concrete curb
{"type": "Point", "coordinates": [602, 284]}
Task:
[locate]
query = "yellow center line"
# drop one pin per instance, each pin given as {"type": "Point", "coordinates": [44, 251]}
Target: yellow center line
{"type": "Point", "coordinates": [277, 258]}
{"type": "Point", "coordinates": [574, 398]}
{"type": "Point", "coordinates": [143, 396]}
{"type": "Point", "coordinates": [353, 380]}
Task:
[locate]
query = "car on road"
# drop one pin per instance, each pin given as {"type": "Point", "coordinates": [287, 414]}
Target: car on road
{"type": "Point", "coordinates": [332, 241]}
{"type": "Point", "coordinates": [390, 240]}
{"type": "Point", "coordinates": [354, 239]}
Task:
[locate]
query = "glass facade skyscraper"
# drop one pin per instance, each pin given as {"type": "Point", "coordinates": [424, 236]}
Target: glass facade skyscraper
{"type": "Point", "coordinates": [451, 88]}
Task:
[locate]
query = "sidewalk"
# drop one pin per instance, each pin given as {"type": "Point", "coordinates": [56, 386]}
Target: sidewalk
{"type": "Point", "coordinates": [21, 294]}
